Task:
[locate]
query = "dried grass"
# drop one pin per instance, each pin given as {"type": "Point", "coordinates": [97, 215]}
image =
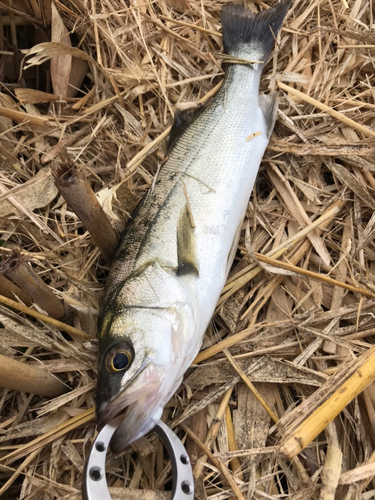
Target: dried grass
{"type": "Point", "coordinates": [286, 331]}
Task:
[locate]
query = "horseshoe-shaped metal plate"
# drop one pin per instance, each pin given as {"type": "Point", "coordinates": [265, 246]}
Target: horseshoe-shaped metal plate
{"type": "Point", "coordinates": [94, 484]}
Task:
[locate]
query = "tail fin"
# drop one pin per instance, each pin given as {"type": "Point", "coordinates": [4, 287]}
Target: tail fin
{"type": "Point", "coordinates": [244, 31]}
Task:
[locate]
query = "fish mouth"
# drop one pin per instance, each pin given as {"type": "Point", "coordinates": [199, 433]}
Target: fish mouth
{"type": "Point", "coordinates": [140, 405]}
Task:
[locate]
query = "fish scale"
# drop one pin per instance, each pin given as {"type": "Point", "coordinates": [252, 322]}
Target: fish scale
{"type": "Point", "coordinates": [176, 251]}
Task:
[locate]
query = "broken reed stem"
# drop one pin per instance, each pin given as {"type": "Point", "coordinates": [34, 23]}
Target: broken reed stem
{"type": "Point", "coordinates": [322, 222]}
{"type": "Point", "coordinates": [246, 380]}
{"type": "Point", "coordinates": [189, 25]}
{"type": "Point", "coordinates": [10, 290]}
{"type": "Point", "coordinates": [311, 274]}
{"type": "Point", "coordinates": [22, 377]}
{"type": "Point", "coordinates": [359, 474]}
{"type": "Point", "coordinates": [77, 192]}
{"type": "Point", "coordinates": [303, 424]}
{"type": "Point", "coordinates": [16, 269]}
{"type": "Point", "coordinates": [331, 473]}
{"type": "Point", "coordinates": [335, 114]}
{"type": "Point", "coordinates": [235, 464]}
{"type": "Point", "coordinates": [215, 461]}
{"type": "Point", "coordinates": [74, 332]}
{"type": "Point", "coordinates": [213, 431]}
{"type": "Point", "coordinates": [21, 117]}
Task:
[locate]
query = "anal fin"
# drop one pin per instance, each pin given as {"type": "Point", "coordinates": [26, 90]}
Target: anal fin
{"type": "Point", "coordinates": [186, 247]}
{"type": "Point", "coordinates": [268, 104]}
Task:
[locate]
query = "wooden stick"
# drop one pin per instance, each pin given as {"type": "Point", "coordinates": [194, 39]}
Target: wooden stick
{"type": "Point", "coordinates": [26, 378]}
{"type": "Point", "coordinates": [21, 117]}
{"type": "Point", "coordinates": [235, 464]}
{"type": "Point", "coordinates": [358, 474]}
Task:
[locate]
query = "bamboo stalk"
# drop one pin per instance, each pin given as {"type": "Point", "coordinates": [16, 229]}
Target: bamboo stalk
{"type": "Point", "coordinates": [78, 194]}
{"type": "Point", "coordinates": [310, 418]}
{"type": "Point", "coordinates": [21, 117]}
{"type": "Point", "coordinates": [359, 474]}
{"type": "Point", "coordinates": [26, 378]}
{"type": "Point", "coordinates": [16, 269]}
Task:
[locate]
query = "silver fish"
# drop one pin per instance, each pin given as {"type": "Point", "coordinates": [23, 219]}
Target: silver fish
{"type": "Point", "coordinates": [177, 249]}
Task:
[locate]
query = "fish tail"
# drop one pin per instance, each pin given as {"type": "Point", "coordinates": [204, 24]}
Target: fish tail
{"type": "Point", "coordinates": [250, 35]}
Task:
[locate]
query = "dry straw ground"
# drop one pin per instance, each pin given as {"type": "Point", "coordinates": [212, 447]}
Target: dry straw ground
{"type": "Point", "coordinates": [99, 85]}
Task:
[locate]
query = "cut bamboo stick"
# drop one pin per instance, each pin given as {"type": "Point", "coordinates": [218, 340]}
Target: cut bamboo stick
{"type": "Point", "coordinates": [21, 117]}
{"type": "Point", "coordinates": [79, 195]}
{"type": "Point", "coordinates": [304, 423]}
{"type": "Point", "coordinates": [16, 269]}
{"type": "Point", "coordinates": [26, 378]}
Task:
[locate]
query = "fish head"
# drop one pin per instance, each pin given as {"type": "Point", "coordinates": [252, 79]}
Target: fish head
{"type": "Point", "coordinates": [145, 346]}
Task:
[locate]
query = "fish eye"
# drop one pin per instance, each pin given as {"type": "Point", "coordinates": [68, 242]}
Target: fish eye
{"type": "Point", "coordinates": [118, 359]}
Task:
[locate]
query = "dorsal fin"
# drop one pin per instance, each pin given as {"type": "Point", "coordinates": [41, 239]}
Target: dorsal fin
{"type": "Point", "coordinates": [268, 105]}
{"type": "Point", "coordinates": [186, 252]}
{"type": "Point", "coordinates": [182, 119]}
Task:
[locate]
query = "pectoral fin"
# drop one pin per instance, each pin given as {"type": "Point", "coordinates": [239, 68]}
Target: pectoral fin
{"type": "Point", "coordinates": [268, 105]}
{"type": "Point", "coordinates": [186, 247]}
